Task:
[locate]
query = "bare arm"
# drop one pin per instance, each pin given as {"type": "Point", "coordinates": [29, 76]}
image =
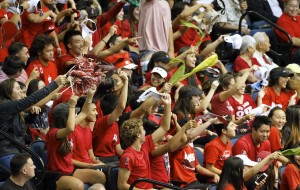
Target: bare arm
{"type": "Point", "coordinates": [70, 125]}
{"type": "Point", "coordinates": [206, 101]}
{"type": "Point", "coordinates": [123, 177]}
{"type": "Point", "coordinates": [36, 18]}
{"type": "Point", "coordinates": [114, 116]}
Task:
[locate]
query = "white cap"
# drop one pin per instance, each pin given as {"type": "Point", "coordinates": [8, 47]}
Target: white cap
{"type": "Point", "coordinates": [163, 73]}
{"type": "Point", "coordinates": [236, 41]}
{"type": "Point", "coordinates": [246, 160]}
{"type": "Point", "coordinates": [130, 65]}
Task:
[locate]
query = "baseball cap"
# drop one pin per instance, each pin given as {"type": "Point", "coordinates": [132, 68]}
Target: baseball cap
{"type": "Point", "coordinates": [62, 110]}
{"type": "Point", "coordinates": [260, 156]}
{"type": "Point", "coordinates": [126, 63]}
{"type": "Point", "coordinates": [189, 91]}
{"type": "Point", "coordinates": [246, 160]}
{"type": "Point", "coordinates": [33, 5]}
{"type": "Point", "coordinates": [162, 72]}
{"type": "Point", "coordinates": [235, 40]}
{"type": "Point", "coordinates": [160, 56]}
{"type": "Point", "coordinates": [294, 67]}
{"type": "Point", "coordinates": [48, 26]}
{"type": "Point", "coordinates": [121, 60]}
{"type": "Point", "coordinates": [280, 72]}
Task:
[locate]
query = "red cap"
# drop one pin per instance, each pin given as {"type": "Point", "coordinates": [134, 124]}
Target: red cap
{"type": "Point", "coordinates": [121, 60]}
{"type": "Point", "coordinates": [260, 156]}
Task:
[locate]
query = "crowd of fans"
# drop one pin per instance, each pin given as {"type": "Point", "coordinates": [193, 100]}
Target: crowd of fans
{"type": "Point", "coordinates": [97, 82]}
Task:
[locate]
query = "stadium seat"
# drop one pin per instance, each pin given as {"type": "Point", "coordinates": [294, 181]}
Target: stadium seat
{"type": "Point", "coordinates": [39, 147]}
{"type": "Point", "coordinates": [199, 156]}
{"type": "Point", "coordinates": [112, 178]}
{"type": "Point", "coordinates": [5, 160]}
{"type": "Point", "coordinates": [233, 140]}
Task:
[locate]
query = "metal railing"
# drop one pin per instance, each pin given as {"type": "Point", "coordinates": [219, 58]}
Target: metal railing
{"type": "Point", "coordinates": [155, 183]}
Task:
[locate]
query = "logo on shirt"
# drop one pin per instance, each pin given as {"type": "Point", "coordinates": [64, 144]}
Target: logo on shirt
{"type": "Point", "coordinates": [126, 161]}
{"type": "Point", "coordinates": [226, 154]}
{"type": "Point", "coordinates": [115, 138]}
{"type": "Point", "coordinates": [189, 161]}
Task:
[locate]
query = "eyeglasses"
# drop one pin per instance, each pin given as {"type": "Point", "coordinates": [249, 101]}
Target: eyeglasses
{"type": "Point", "coordinates": [294, 6]}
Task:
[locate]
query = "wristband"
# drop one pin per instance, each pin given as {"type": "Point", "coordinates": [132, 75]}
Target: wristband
{"type": "Point", "coordinates": [104, 41]}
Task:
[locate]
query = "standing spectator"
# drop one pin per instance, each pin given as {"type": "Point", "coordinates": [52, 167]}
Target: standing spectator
{"type": "Point", "coordinates": [159, 38]}
{"type": "Point", "coordinates": [22, 170]}
{"type": "Point", "coordinates": [42, 54]}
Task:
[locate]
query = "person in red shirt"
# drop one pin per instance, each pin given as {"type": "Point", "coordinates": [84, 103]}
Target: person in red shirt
{"type": "Point", "coordinates": [135, 161]}
{"type": "Point", "coordinates": [245, 59]}
{"type": "Point", "coordinates": [255, 142]}
{"type": "Point", "coordinates": [106, 141]}
{"type": "Point", "coordinates": [42, 52]}
{"type": "Point", "coordinates": [242, 104]}
{"type": "Point", "coordinates": [220, 148]}
{"type": "Point", "coordinates": [278, 117]}
{"type": "Point", "coordinates": [60, 143]}
{"type": "Point", "coordinates": [290, 178]}
{"type": "Point", "coordinates": [276, 91]}
{"type": "Point", "coordinates": [227, 88]}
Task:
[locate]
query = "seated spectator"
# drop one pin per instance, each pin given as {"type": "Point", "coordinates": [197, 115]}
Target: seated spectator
{"type": "Point", "coordinates": [12, 67]}
{"type": "Point", "coordinates": [290, 178]}
{"type": "Point", "coordinates": [183, 161]}
{"type": "Point", "coordinates": [263, 8]}
{"type": "Point", "coordinates": [21, 50]}
{"type": "Point", "coordinates": [220, 148]}
{"type": "Point", "coordinates": [242, 104]}
{"type": "Point", "coordinates": [245, 59]}
{"type": "Point", "coordinates": [294, 82]}
{"type": "Point", "coordinates": [278, 118]}
{"type": "Point", "coordinates": [60, 144]}
{"type": "Point", "coordinates": [135, 161]}
{"type": "Point", "coordinates": [262, 47]}
{"type": "Point", "coordinates": [275, 91]}
{"type": "Point", "coordinates": [228, 87]}
{"type": "Point", "coordinates": [42, 54]}
{"type": "Point", "coordinates": [22, 170]}
{"type": "Point", "coordinates": [290, 22]}
{"type": "Point", "coordinates": [106, 140]}
{"type": "Point", "coordinates": [158, 80]}
{"type": "Point", "coordinates": [12, 104]}
{"type": "Point", "coordinates": [255, 142]}
{"type": "Point", "coordinates": [290, 132]}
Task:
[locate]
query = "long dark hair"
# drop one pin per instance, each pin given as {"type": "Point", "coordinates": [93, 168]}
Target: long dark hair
{"type": "Point", "coordinates": [232, 173]}
{"type": "Point", "coordinates": [291, 130]}
{"type": "Point", "coordinates": [6, 88]}
{"type": "Point", "coordinates": [133, 30]}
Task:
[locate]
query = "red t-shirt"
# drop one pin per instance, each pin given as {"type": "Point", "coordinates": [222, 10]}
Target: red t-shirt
{"type": "Point", "coordinates": [275, 139]}
{"type": "Point", "coordinates": [183, 163]}
{"type": "Point", "coordinates": [292, 26]}
{"type": "Point", "coordinates": [30, 30]}
{"type": "Point", "coordinates": [271, 97]}
{"type": "Point", "coordinates": [220, 108]}
{"type": "Point", "coordinates": [229, 186]}
{"type": "Point", "coordinates": [290, 178]}
{"type": "Point", "coordinates": [105, 138]}
{"type": "Point", "coordinates": [187, 39]}
{"type": "Point", "coordinates": [138, 163]}
{"type": "Point", "coordinates": [160, 168]}
{"type": "Point", "coordinates": [244, 108]}
{"type": "Point", "coordinates": [216, 152]}
{"type": "Point", "coordinates": [47, 73]}
{"type": "Point", "coordinates": [82, 143]}
{"type": "Point", "coordinates": [245, 145]}
{"type": "Point", "coordinates": [61, 63]}
{"type": "Point", "coordinates": [240, 64]}
{"type": "Point", "coordinates": [57, 162]}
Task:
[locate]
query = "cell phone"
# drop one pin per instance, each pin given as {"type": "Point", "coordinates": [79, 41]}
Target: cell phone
{"type": "Point", "coordinates": [260, 178]}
